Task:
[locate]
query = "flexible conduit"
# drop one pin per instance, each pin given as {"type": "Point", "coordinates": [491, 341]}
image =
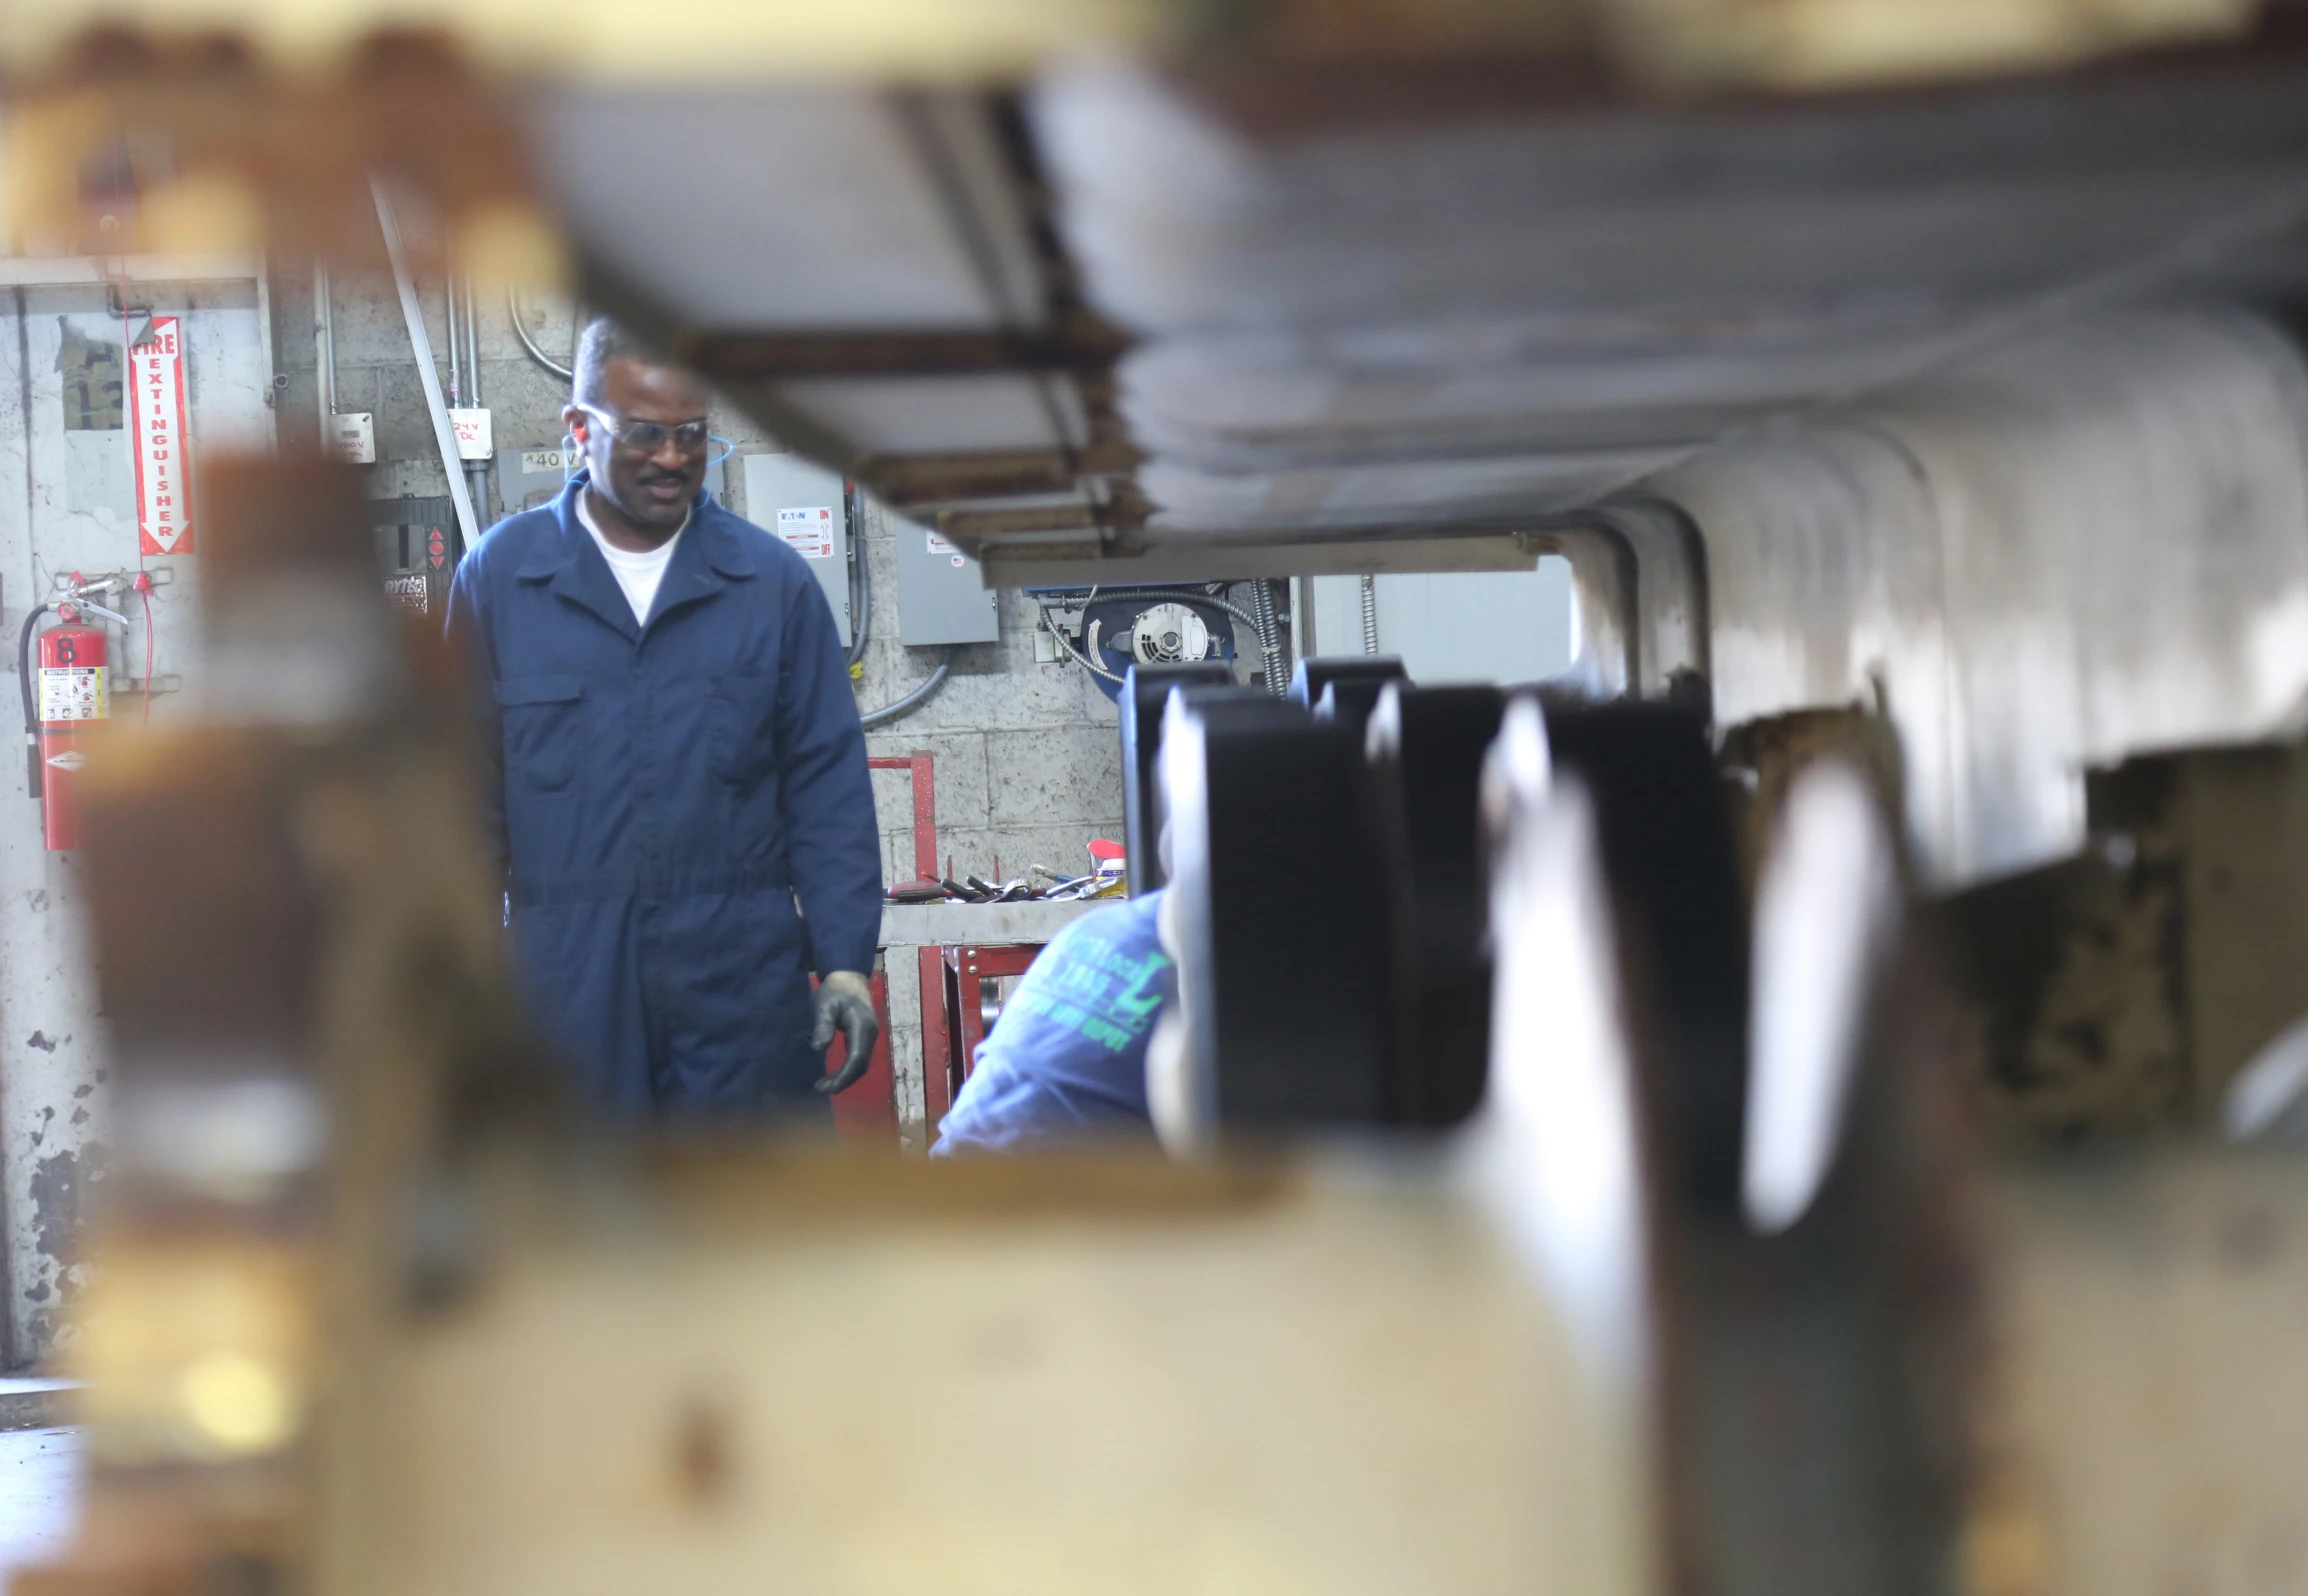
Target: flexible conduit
{"type": "Point", "coordinates": [911, 702]}
{"type": "Point", "coordinates": [861, 576]}
{"type": "Point", "coordinates": [32, 771]}
{"type": "Point", "coordinates": [521, 331]}
{"type": "Point", "coordinates": [1269, 635]}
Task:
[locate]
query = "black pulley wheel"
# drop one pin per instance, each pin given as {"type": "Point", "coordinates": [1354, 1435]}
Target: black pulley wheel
{"type": "Point", "coordinates": [1288, 884]}
{"type": "Point", "coordinates": [1428, 745]}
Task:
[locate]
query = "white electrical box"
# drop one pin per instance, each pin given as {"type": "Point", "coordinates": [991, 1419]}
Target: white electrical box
{"type": "Point", "coordinates": [353, 434]}
{"type": "Point", "coordinates": [941, 596]}
{"type": "Point", "coordinates": [475, 437]}
{"type": "Point", "coordinates": [804, 505]}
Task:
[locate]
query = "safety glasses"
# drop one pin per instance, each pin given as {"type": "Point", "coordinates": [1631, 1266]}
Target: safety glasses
{"type": "Point", "coordinates": [647, 437]}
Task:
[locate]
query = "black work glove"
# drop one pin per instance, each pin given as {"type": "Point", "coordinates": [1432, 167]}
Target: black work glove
{"type": "Point", "coordinates": [846, 1004]}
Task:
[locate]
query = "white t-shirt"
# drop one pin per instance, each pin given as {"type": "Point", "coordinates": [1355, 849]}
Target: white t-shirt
{"type": "Point", "coordinates": [637, 574]}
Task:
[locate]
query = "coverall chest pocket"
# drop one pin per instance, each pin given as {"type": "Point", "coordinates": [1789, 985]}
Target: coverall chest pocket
{"type": "Point", "coordinates": [543, 718]}
{"type": "Point", "coordinates": [741, 719]}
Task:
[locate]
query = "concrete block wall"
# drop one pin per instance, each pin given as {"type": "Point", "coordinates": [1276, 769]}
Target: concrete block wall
{"type": "Point", "coordinates": [1028, 755]}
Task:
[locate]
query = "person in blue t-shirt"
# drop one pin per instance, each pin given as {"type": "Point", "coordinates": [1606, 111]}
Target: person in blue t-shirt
{"type": "Point", "coordinates": [1066, 1062]}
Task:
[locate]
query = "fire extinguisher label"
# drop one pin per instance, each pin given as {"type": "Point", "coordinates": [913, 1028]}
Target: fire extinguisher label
{"type": "Point", "coordinates": [156, 416]}
{"type": "Point", "coordinates": [71, 692]}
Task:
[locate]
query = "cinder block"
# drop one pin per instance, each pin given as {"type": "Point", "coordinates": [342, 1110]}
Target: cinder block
{"type": "Point", "coordinates": [960, 771]}
{"type": "Point", "coordinates": [1020, 848]}
{"type": "Point", "coordinates": [365, 311]}
{"type": "Point", "coordinates": [404, 423]}
{"type": "Point", "coordinates": [1054, 774]}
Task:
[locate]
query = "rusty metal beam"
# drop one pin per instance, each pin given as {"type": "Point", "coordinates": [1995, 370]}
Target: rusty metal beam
{"type": "Point", "coordinates": [910, 481]}
{"type": "Point", "coordinates": [972, 527]}
{"type": "Point", "coordinates": [1081, 344]}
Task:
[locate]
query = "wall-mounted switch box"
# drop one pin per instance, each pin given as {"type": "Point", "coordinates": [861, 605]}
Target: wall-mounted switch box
{"type": "Point", "coordinates": [941, 598]}
{"type": "Point", "coordinates": [353, 435]}
{"type": "Point", "coordinates": [803, 504]}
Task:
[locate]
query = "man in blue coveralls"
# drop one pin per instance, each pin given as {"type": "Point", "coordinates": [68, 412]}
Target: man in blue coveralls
{"type": "Point", "coordinates": [1066, 1062]}
{"type": "Point", "coordinates": [680, 796]}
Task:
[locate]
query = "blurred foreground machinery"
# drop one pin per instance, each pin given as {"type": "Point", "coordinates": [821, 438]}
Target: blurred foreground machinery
{"type": "Point", "coordinates": [1584, 1095]}
{"type": "Point", "coordinates": [1713, 1290]}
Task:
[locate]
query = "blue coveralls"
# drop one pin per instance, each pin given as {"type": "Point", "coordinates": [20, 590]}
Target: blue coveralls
{"type": "Point", "coordinates": [1066, 1062]}
{"type": "Point", "coordinates": [663, 796]}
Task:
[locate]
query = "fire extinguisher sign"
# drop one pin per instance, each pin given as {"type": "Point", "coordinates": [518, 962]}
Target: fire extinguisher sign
{"type": "Point", "coordinates": [156, 412]}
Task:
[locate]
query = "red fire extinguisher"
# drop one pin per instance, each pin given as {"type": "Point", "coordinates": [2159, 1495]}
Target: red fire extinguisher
{"type": "Point", "coordinates": [70, 696]}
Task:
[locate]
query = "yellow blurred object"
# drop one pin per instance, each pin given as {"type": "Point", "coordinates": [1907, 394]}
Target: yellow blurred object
{"type": "Point", "coordinates": [239, 1402]}
{"type": "Point", "coordinates": [194, 1351]}
{"type": "Point", "coordinates": [40, 168]}
{"type": "Point", "coordinates": [205, 213]}
{"type": "Point", "coordinates": [932, 40]}
{"type": "Point", "coordinates": [506, 245]}
{"type": "Point", "coordinates": [1832, 44]}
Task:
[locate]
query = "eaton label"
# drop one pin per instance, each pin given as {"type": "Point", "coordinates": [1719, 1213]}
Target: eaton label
{"type": "Point", "coordinates": [809, 532]}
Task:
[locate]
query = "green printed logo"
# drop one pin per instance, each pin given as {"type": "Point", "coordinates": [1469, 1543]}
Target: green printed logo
{"type": "Point", "coordinates": [1111, 996]}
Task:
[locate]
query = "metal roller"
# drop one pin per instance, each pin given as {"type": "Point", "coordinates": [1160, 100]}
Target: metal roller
{"type": "Point", "coordinates": [1361, 675]}
{"type": "Point", "coordinates": [1145, 689]}
{"type": "Point", "coordinates": [1287, 896]}
{"type": "Point", "coordinates": [1428, 744]}
{"type": "Point", "coordinates": [1785, 1229]}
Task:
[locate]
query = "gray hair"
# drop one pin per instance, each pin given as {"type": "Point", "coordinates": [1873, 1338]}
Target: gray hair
{"type": "Point", "coordinates": [604, 341]}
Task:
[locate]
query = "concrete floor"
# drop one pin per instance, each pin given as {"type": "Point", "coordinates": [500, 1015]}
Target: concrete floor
{"type": "Point", "coordinates": [39, 1495]}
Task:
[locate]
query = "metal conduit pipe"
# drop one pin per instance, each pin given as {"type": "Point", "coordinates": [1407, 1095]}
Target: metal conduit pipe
{"type": "Point", "coordinates": [521, 331]}
{"type": "Point", "coordinates": [325, 349]}
{"type": "Point", "coordinates": [454, 330]}
{"type": "Point", "coordinates": [428, 375]}
{"type": "Point", "coordinates": [911, 702]}
{"type": "Point", "coordinates": [476, 471]}
{"type": "Point", "coordinates": [1269, 635]}
{"type": "Point", "coordinates": [1184, 594]}
{"type": "Point", "coordinates": [1067, 646]}
{"type": "Point", "coordinates": [861, 577]}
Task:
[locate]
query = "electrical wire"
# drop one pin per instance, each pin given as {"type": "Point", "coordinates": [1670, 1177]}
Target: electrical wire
{"type": "Point", "coordinates": [861, 579]}
{"type": "Point", "coordinates": [146, 593]}
{"type": "Point", "coordinates": [1193, 595]}
{"type": "Point", "coordinates": [1072, 652]}
{"type": "Point", "coordinates": [521, 331]}
{"type": "Point", "coordinates": [32, 773]}
{"type": "Point", "coordinates": [911, 702]}
{"type": "Point", "coordinates": [1269, 636]}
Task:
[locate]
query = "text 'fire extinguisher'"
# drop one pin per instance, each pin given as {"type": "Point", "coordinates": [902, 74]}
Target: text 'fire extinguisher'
{"type": "Point", "coordinates": [62, 702]}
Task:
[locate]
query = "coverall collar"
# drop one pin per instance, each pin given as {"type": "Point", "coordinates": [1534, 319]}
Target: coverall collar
{"type": "Point", "coordinates": [709, 552]}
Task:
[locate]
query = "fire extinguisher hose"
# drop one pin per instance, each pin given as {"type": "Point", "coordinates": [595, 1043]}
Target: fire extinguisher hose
{"type": "Point", "coordinates": [32, 780]}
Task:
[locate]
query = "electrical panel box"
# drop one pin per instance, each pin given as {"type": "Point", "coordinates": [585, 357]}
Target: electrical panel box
{"type": "Point", "coordinates": [1454, 626]}
{"type": "Point", "coordinates": [527, 478]}
{"type": "Point", "coordinates": [353, 434]}
{"type": "Point", "coordinates": [941, 597]}
{"type": "Point", "coordinates": [804, 504]}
